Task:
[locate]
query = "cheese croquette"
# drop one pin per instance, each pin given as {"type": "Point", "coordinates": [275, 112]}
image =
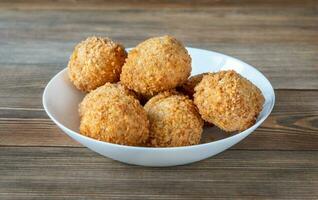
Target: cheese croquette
{"type": "Point", "coordinates": [228, 100]}
{"type": "Point", "coordinates": [156, 65]}
{"type": "Point", "coordinates": [174, 121]}
{"type": "Point", "coordinates": [110, 113]}
{"type": "Point", "coordinates": [188, 87]}
{"type": "Point", "coordinates": [94, 62]}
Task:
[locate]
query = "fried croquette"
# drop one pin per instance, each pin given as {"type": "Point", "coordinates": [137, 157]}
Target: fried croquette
{"type": "Point", "coordinates": [174, 120]}
{"type": "Point", "coordinates": [228, 100]}
{"type": "Point", "coordinates": [94, 62]}
{"type": "Point", "coordinates": [111, 113]}
{"type": "Point", "coordinates": [188, 87]}
{"type": "Point", "coordinates": [156, 65]}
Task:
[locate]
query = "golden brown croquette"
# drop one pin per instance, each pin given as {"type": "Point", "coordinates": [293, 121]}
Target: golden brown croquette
{"type": "Point", "coordinates": [111, 113]}
{"type": "Point", "coordinates": [174, 120]}
{"type": "Point", "coordinates": [228, 100]}
{"type": "Point", "coordinates": [156, 65]}
{"type": "Point", "coordinates": [94, 62]}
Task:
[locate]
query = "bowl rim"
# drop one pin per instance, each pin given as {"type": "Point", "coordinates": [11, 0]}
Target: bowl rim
{"type": "Point", "coordinates": [257, 124]}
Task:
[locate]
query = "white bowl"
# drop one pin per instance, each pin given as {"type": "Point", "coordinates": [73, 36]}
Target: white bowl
{"type": "Point", "coordinates": [61, 99]}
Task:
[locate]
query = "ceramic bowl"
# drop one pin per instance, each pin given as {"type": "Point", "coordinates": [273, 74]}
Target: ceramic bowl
{"type": "Point", "coordinates": [61, 99]}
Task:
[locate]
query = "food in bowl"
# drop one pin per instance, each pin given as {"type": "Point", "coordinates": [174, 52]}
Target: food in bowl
{"type": "Point", "coordinates": [174, 120]}
{"type": "Point", "coordinates": [228, 100]}
{"type": "Point", "coordinates": [111, 113]}
{"type": "Point", "coordinates": [152, 73]}
{"type": "Point", "coordinates": [156, 65]}
{"type": "Point", "coordinates": [94, 62]}
{"type": "Point", "coordinates": [188, 87]}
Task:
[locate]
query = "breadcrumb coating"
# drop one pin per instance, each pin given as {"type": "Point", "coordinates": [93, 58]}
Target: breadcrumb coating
{"type": "Point", "coordinates": [188, 87]}
{"type": "Point", "coordinates": [228, 100]}
{"type": "Point", "coordinates": [174, 120]}
{"type": "Point", "coordinates": [156, 65]}
{"type": "Point", "coordinates": [112, 114]}
{"type": "Point", "coordinates": [94, 62]}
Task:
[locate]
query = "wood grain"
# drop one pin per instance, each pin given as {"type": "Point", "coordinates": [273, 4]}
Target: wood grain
{"type": "Point", "coordinates": [142, 4]}
{"type": "Point", "coordinates": [55, 173]}
{"type": "Point", "coordinates": [293, 125]}
{"type": "Point", "coordinates": [278, 161]}
{"type": "Point", "coordinates": [278, 38]}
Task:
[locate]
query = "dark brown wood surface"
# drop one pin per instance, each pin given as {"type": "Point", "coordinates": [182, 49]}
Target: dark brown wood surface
{"type": "Point", "coordinates": [278, 161]}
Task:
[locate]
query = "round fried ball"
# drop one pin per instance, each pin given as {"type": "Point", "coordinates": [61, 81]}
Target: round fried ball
{"type": "Point", "coordinates": [111, 113]}
{"type": "Point", "coordinates": [228, 100]}
{"type": "Point", "coordinates": [156, 65]}
{"type": "Point", "coordinates": [174, 121]}
{"type": "Point", "coordinates": [94, 62]}
{"type": "Point", "coordinates": [188, 87]}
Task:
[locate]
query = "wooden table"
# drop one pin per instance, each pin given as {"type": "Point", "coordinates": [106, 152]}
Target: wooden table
{"type": "Point", "coordinates": [279, 160]}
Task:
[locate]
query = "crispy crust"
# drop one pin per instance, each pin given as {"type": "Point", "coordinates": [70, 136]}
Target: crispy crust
{"type": "Point", "coordinates": [156, 65]}
{"type": "Point", "coordinates": [228, 100]}
{"type": "Point", "coordinates": [111, 113]}
{"type": "Point", "coordinates": [162, 95]}
{"type": "Point", "coordinates": [188, 87]}
{"type": "Point", "coordinates": [174, 121]}
{"type": "Point", "coordinates": [94, 62]}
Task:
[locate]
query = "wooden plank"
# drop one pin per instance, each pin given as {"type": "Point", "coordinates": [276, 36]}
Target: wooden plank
{"type": "Point", "coordinates": [155, 4]}
{"type": "Point", "coordinates": [293, 125]}
{"type": "Point", "coordinates": [278, 38]}
{"type": "Point", "coordinates": [33, 132]}
{"type": "Point", "coordinates": [56, 173]}
{"type": "Point", "coordinates": [22, 86]}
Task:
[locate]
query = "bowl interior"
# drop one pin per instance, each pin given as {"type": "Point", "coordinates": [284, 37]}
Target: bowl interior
{"type": "Point", "coordinates": [61, 98]}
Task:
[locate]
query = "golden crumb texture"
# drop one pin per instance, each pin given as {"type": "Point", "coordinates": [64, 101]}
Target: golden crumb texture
{"type": "Point", "coordinates": [174, 120]}
{"type": "Point", "coordinates": [94, 62]}
{"type": "Point", "coordinates": [156, 65]}
{"type": "Point", "coordinates": [188, 87]}
{"type": "Point", "coordinates": [228, 100]}
{"type": "Point", "coordinates": [112, 114]}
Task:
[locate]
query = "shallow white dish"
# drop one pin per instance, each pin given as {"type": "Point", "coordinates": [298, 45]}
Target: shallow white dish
{"type": "Point", "coordinates": [61, 99]}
